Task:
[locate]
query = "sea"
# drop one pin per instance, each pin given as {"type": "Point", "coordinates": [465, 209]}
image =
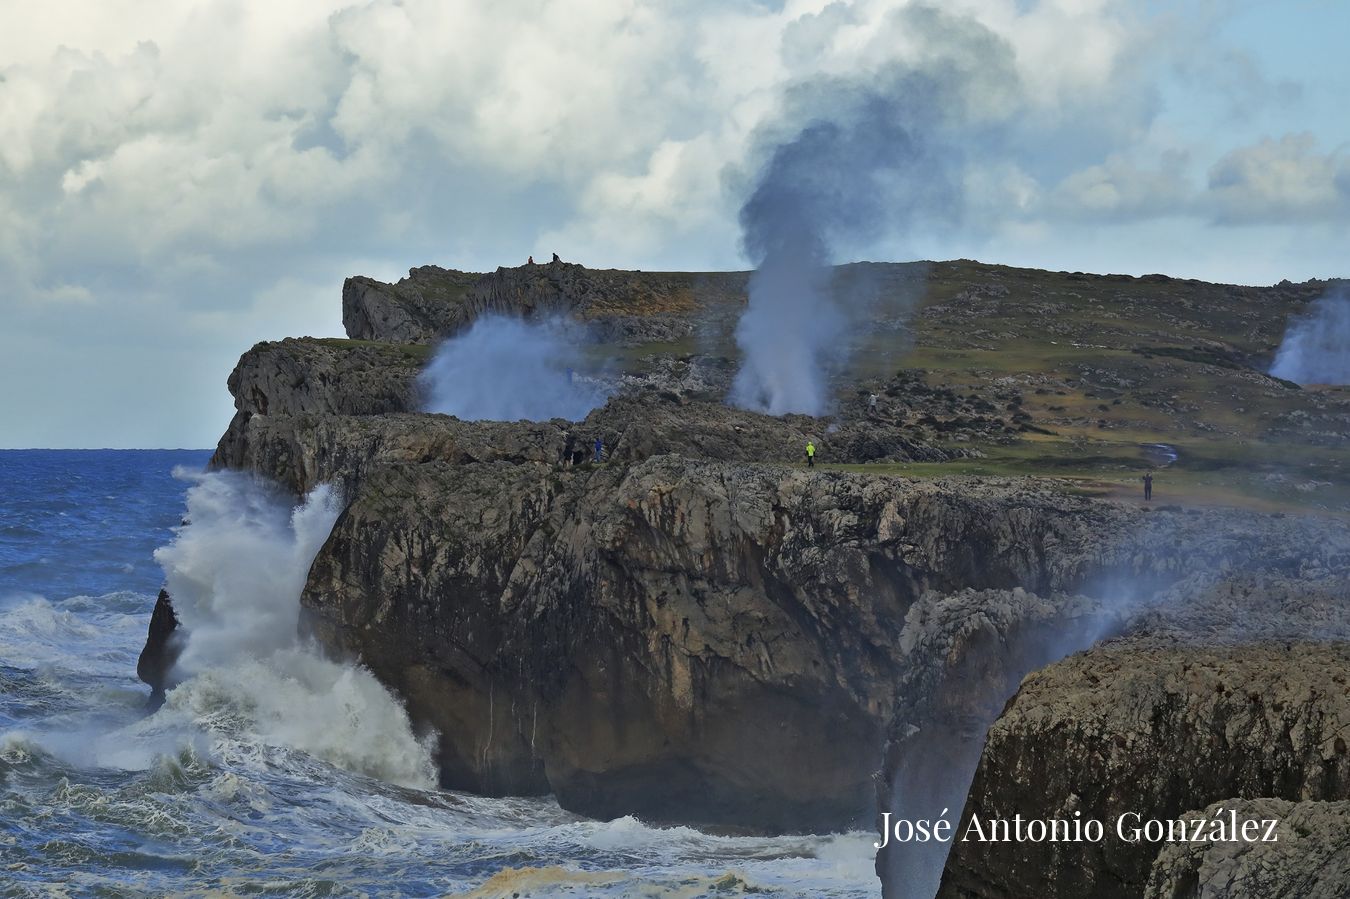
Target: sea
{"type": "Point", "coordinates": [270, 770]}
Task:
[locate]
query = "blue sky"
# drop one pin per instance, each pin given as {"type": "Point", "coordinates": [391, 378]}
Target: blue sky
{"type": "Point", "coordinates": [181, 180]}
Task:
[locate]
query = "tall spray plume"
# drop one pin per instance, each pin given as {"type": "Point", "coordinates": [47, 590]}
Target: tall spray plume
{"type": "Point", "coordinates": [1316, 345]}
{"type": "Point", "coordinates": [848, 163]}
{"type": "Point", "coordinates": [506, 369]}
{"type": "Point", "coordinates": [236, 570]}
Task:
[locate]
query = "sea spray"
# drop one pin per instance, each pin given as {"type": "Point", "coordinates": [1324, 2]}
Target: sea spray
{"type": "Point", "coordinates": [851, 162]}
{"type": "Point", "coordinates": [1316, 345]}
{"type": "Point", "coordinates": [506, 369]}
{"type": "Point", "coordinates": [236, 570]}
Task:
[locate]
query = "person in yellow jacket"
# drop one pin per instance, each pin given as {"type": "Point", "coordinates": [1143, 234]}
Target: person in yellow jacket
{"type": "Point", "coordinates": [810, 454]}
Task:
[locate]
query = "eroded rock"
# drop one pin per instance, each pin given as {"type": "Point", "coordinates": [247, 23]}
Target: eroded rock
{"type": "Point", "coordinates": [1154, 728]}
{"type": "Point", "coordinates": [1310, 860]}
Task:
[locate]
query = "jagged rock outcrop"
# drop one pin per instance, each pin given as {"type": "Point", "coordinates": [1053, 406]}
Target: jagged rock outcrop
{"type": "Point", "coordinates": [1311, 859]}
{"type": "Point", "coordinates": [1156, 728]}
{"type": "Point", "coordinates": [161, 650]}
{"type": "Point", "coordinates": [417, 309]}
{"type": "Point", "coordinates": [302, 451]}
{"type": "Point", "coordinates": [335, 377]}
{"type": "Point", "coordinates": [620, 306]}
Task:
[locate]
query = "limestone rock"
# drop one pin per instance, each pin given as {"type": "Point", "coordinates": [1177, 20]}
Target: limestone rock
{"type": "Point", "coordinates": [1311, 859]}
{"type": "Point", "coordinates": [417, 309]}
{"type": "Point", "coordinates": [693, 640]}
{"type": "Point", "coordinates": [335, 377]}
{"type": "Point", "coordinates": [1155, 728]}
{"type": "Point", "coordinates": [621, 307]}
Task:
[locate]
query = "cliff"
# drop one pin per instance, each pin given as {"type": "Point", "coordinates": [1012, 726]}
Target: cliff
{"type": "Point", "coordinates": [683, 639]}
{"type": "Point", "coordinates": [633, 307]}
{"type": "Point", "coordinates": [1153, 730]}
{"type": "Point", "coordinates": [702, 630]}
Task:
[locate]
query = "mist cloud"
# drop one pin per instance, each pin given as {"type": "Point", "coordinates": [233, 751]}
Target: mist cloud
{"type": "Point", "coordinates": [1316, 345]}
{"type": "Point", "coordinates": [507, 369]}
{"type": "Point", "coordinates": [881, 156]}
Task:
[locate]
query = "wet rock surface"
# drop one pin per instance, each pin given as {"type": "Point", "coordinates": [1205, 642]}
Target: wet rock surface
{"type": "Point", "coordinates": [160, 654]}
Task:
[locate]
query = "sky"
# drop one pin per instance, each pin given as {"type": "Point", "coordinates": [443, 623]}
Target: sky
{"type": "Point", "coordinates": [180, 179]}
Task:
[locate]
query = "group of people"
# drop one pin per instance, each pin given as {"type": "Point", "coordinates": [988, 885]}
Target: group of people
{"type": "Point", "coordinates": [530, 261]}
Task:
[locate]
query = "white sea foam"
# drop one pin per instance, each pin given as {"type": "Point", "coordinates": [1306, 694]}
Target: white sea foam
{"type": "Point", "coordinates": [235, 572]}
{"type": "Point", "coordinates": [37, 633]}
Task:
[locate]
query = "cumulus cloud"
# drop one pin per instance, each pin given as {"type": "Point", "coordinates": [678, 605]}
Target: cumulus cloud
{"type": "Point", "coordinates": [1281, 180]}
{"type": "Point", "coordinates": [1120, 188]}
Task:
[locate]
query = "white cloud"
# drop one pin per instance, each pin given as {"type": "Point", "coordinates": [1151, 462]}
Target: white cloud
{"type": "Point", "coordinates": [1281, 180]}
{"type": "Point", "coordinates": [1118, 188]}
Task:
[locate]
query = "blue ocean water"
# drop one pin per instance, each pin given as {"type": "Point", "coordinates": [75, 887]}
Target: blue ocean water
{"type": "Point", "coordinates": [270, 770]}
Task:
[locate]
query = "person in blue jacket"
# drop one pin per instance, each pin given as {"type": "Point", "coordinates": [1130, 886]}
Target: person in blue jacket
{"type": "Point", "coordinates": [599, 449]}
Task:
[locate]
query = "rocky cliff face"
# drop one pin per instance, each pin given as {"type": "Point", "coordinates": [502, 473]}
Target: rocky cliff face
{"type": "Point", "coordinates": [684, 639]}
{"type": "Point", "coordinates": [667, 637]}
{"type": "Point", "coordinates": [1311, 859]}
{"type": "Point", "coordinates": [621, 306]}
{"type": "Point", "coordinates": [1154, 729]}
{"type": "Point", "coordinates": [701, 630]}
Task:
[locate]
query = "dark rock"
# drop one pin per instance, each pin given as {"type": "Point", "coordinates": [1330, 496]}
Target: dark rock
{"type": "Point", "coordinates": [1310, 860]}
{"type": "Point", "coordinates": [686, 622]}
{"type": "Point", "coordinates": [160, 654]}
{"type": "Point", "coordinates": [418, 309]}
{"type": "Point", "coordinates": [620, 306]}
{"type": "Point", "coordinates": [336, 377]}
{"type": "Point", "coordinates": [1155, 729]}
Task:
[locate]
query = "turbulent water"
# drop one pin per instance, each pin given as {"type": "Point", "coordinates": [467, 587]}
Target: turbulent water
{"type": "Point", "coordinates": [270, 770]}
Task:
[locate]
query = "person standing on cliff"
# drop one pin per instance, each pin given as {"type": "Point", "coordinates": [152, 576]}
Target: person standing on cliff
{"type": "Point", "coordinates": [599, 449]}
{"type": "Point", "coordinates": [569, 444]}
{"type": "Point", "coordinates": [1148, 486]}
{"type": "Point", "coordinates": [810, 454]}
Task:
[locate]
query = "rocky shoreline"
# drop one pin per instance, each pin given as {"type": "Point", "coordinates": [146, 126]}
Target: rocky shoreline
{"type": "Point", "coordinates": [702, 631]}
